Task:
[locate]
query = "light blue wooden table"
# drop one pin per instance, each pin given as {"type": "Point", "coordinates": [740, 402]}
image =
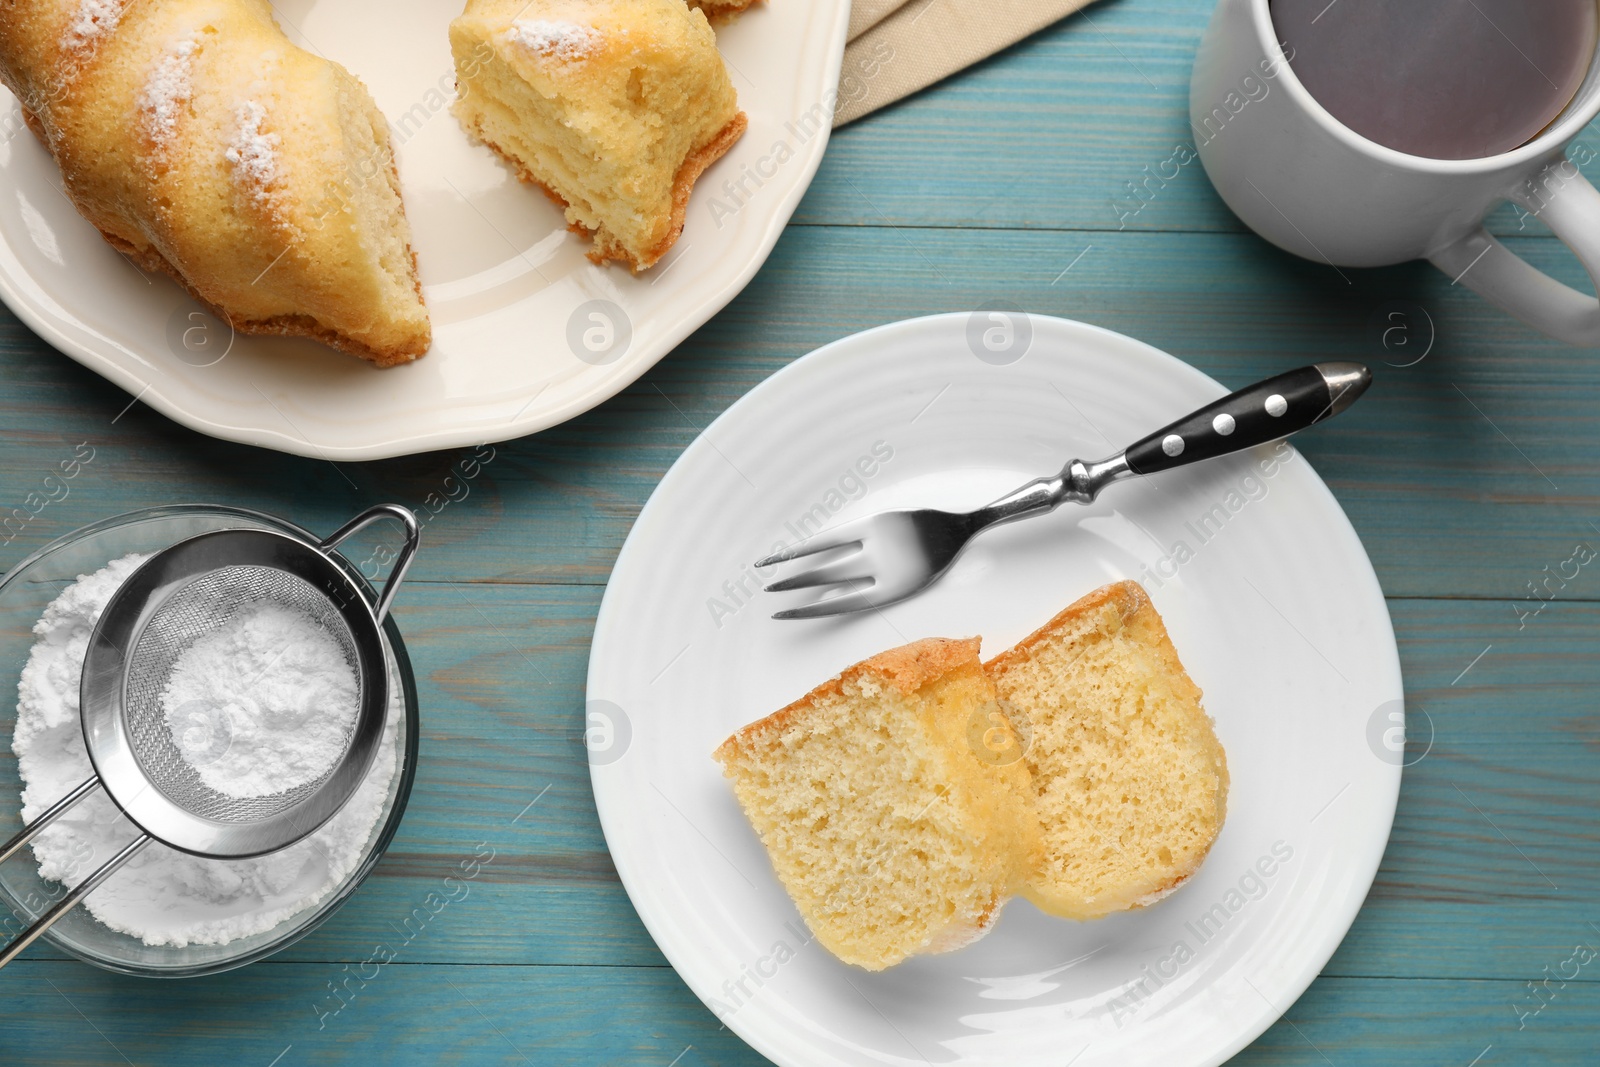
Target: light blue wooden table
{"type": "Point", "coordinates": [1467, 475]}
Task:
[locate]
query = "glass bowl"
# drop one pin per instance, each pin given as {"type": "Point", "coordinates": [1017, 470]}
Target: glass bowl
{"type": "Point", "coordinates": [24, 592]}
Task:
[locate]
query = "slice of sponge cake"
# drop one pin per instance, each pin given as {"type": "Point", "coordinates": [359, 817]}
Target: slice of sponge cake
{"type": "Point", "coordinates": [883, 806]}
{"type": "Point", "coordinates": [1129, 779]}
{"type": "Point", "coordinates": [613, 107]}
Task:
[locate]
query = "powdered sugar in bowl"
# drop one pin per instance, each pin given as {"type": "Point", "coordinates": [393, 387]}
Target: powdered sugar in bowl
{"type": "Point", "coordinates": [213, 927]}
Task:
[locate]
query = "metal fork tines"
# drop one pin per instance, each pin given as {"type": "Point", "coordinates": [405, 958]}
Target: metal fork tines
{"type": "Point", "coordinates": [878, 559]}
{"type": "Point", "coordinates": [882, 559]}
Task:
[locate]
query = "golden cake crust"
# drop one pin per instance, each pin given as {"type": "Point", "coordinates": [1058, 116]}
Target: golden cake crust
{"type": "Point", "coordinates": [895, 751]}
{"type": "Point", "coordinates": [907, 668]}
{"type": "Point", "coordinates": [682, 187]}
{"type": "Point", "coordinates": [615, 110]}
{"type": "Point", "coordinates": [152, 261]}
{"type": "Point", "coordinates": [694, 166]}
{"type": "Point", "coordinates": [172, 194]}
{"type": "Point", "coordinates": [1138, 615]}
{"type": "Point", "coordinates": [1128, 597]}
{"type": "Point", "coordinates": [719, 11]}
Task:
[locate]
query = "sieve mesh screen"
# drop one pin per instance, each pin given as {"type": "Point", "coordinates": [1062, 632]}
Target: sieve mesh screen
{"type": "Point", "coordinates": [196, 609]}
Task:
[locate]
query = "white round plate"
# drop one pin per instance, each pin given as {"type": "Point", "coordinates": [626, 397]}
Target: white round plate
{"type": "Point", "coordinates": [1271, 603]}
{"type": "Point", "coordinates": [505, 282]}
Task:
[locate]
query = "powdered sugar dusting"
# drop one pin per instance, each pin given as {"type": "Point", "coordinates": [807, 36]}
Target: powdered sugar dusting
{"type": "Point", "coordinates": [167, 91]}
{"type": "Point", "coordinates": [162, 896]}
{"type": "Point", "coordinates": [564, 42]}
{"type": "Point", "coordinates": [254, 154]}
{"type": "Point", "coordinates": [262, 704]}
{"type": "Point", "coordinates": [95, 19]}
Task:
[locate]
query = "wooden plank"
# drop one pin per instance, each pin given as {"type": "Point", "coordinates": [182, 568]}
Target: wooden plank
{"type": "Point", "coordinates": [1104, 95]}
{"type": "Point", "coordinates": [1465, 474]}
{"type": "Point", "coordinates": [63, 1014]}
{"type": "Point", "coordinates": [401, 1015]}
{"type": "Point", "coordinates": [1505, 798]}
{"type": "Point", "coordinates": [1382, 1022]}
{"type": "Point", "coordinates": [1077, 128]}
{"type": "Point", "coordinates": [1469, 475]}
{"type": "Point", "coordinates": [502, 771]}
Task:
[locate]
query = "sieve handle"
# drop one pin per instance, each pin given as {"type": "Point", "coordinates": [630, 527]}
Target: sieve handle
{"type": "Point", "coordinates": [58, 809]}
{"type": "Point", "coordinates": [402, 562]}
{"type": "Point", "coordinates": [70, 901]}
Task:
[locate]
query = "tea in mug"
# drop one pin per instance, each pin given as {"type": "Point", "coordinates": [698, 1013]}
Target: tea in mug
{"type": "Point", "coordinates": [1447, 79]}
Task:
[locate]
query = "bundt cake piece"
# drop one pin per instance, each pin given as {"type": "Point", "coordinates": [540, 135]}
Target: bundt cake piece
{"type": "Point", "coordinates": [203, 143]}
{"type": "Point", "coordinates": [614, 108]}
{"type": "Point", "coordinates": [1129, 779]}
{"type": "Point", "coordinates": [721, 9]}
{"type": "Point", "coordinates": [885, 815]}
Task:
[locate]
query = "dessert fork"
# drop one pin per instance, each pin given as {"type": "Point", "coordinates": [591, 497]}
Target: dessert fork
{"type": "Point", "coordinates": [894, 555]}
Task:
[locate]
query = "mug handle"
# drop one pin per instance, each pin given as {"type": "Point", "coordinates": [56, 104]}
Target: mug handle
{"type": "Point", "coordinates": [1571, 208]}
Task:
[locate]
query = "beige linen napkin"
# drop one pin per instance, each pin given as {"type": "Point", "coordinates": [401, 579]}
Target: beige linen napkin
{"type": "Point", "coordinates": [899, 46]}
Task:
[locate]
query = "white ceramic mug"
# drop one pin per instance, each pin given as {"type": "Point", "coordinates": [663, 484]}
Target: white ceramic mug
{"type": "Point", "coordinates": [1311, 185]}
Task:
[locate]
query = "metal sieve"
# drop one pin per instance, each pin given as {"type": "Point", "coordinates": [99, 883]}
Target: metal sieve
{"type": "Point", "coordinates": [174, 598]}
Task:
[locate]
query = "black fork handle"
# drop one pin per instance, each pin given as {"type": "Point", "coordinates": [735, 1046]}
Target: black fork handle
{"type": "Point", "coordinates": [1256, 414]}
